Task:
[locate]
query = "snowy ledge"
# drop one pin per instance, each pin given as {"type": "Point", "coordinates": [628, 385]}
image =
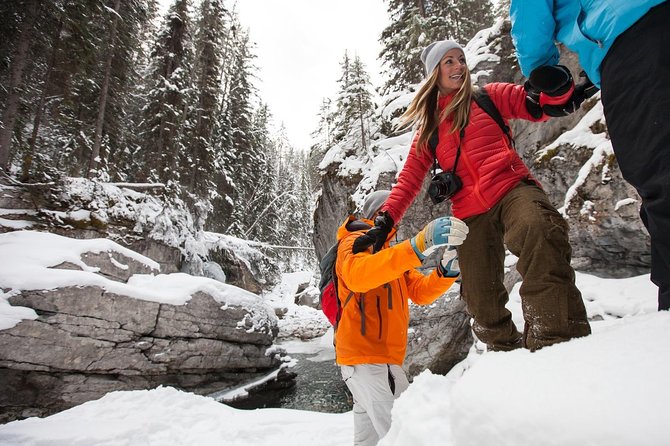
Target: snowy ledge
{"type": "Point", "coordinates": [29, 262]}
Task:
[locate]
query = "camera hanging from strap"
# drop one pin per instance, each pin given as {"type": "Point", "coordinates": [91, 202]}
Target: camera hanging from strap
{"type": "Point", "coordinates": [444, 185]}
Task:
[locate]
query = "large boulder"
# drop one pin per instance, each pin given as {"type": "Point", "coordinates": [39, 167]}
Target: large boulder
{"type": "Point", "coordinates": [439, 335]}
{"type": "Point", "coordinates": [124, 330]}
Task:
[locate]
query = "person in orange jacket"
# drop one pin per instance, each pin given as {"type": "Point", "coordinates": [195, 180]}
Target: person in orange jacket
{"type": "Point", "coordinates": [374, 289]}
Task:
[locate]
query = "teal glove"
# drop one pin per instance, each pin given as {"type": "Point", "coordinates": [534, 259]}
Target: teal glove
{"type": "Point", "coordinates": [449, 263]}
{"type": "Point", "coordinates": [442, 231]}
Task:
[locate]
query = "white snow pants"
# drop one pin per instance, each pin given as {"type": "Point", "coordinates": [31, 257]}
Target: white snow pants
{"type": "Point", "coordinates": [374, 388]}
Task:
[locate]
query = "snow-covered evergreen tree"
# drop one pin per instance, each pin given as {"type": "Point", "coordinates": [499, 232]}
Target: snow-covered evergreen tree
{"type": "Point", "coordinates": [355, 106]}
{"type": "Point", "coordinates": [168, 110]}
{"type": "Point", "coordinates": [207, 71]}
{"type": "Point", "coordinates": [258, 206]}
{"type": "Point", "coordinates": [72, 80]}
{"type": "Point", "coordinates": [293, 195]}
{"type": "Point", "coordinates": [236, 155]}
{"type": "Point", "coordinates": [323, 132]}
{"type": "Point", "coordinates": [502, 9]}
{"type": "Point", "coordinates": [22, 18]}
{"type": "Point", "coordinates": [123, 21]}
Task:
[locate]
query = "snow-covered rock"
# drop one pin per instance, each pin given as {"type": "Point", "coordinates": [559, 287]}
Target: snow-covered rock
{"type": "Point", "coordinates": [80, 318]}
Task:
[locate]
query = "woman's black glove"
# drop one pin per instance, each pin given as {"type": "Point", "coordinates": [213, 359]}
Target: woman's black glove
{"type": "Point", "coordinates": [376, 236]}
{"type": "Point", "coordinates": [552, 80]}
{"type": "Point", "coordinates": [550, 89]}
{"type": "Point", "coordinates": [583, 91]}
{"type": "Point", "coordinates": [548, 86]}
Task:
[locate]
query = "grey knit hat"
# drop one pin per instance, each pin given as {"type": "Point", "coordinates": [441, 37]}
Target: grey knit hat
{"type": "Point", "coordinates": [373, 202]}
{"type": "Point", "coordinates": [433, 53]}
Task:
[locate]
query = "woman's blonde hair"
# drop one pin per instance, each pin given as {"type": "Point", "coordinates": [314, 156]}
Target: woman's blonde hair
{"type": "Point", "coordinates": [423, 110]}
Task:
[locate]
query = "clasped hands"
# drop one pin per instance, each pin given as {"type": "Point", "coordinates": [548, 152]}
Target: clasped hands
{"type": "Point", "coordinates": [550, 89]}
{"type": "Point", "coordinates": [441, 232]}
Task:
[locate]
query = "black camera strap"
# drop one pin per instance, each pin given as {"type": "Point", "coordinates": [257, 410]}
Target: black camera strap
{"type": "Point", "coordinates": [432, 142]}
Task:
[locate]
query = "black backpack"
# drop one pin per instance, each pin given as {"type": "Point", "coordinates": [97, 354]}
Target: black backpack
{"type": "Point", "coordinates": [328, 293]}
{"type": "Point", "coordinates": [330, 303]}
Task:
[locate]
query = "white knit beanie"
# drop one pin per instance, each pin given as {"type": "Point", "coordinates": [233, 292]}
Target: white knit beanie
{"type": "Point", "coordinates": [433, 53]}
{"type": "Point", "coordinates": [373, 202]}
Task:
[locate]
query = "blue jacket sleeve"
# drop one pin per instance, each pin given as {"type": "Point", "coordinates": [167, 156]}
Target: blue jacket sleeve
{"type": "Point", "coordinates": [533, 33]}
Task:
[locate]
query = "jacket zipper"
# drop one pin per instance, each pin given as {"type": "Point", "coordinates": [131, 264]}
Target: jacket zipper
{"type": "Point", "coordinates": [510, 152]}
{"type": "Point", "coordinates": [361, 306]}
{"type": "Point", "coordinates": [390, 295]}
{"type": "Point", "coordinates": [379, 314]}
{"type": "Point", "coordinates": [474, 175]}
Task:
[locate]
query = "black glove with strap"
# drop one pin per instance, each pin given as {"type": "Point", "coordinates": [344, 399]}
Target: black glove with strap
{"type": "Point", "coordinates": [376, 236]}
{"type": "Point", "coordinates": [551, 89]}
{"type": "Point", "coordinates": [583, 91]}
{"type": "Point", "coordinates": [549, 86]}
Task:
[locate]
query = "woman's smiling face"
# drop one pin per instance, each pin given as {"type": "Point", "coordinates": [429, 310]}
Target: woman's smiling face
{"type": "Point", "coordinates": [452, 71]}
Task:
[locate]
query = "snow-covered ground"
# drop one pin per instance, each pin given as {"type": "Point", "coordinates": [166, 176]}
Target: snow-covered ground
{"type": "Point", "coordinates": [607, 389]}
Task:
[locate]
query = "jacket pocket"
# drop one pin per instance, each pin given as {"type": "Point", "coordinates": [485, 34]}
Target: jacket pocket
{"type": "Point", "coordinates": [597, 20]}
{"type": "Point", "coordinates": [379, 316]}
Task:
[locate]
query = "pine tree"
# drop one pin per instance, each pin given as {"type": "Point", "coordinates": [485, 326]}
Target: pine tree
{"type": "Point", "coordinates": [20, 60]}
{"type": "Point", "coordinates": [70, 62]}
{"type": "Point", "coordinates": [342, 114]}
{"type": "Point", "coordinates": [363, 109]}
{"type": "Point", "coordinates": [355, 107]}
{"type": "Point", "coordinates": [94, 158]}
{"type": "Point", "coordinates": [502, 9]}
{"type": "Point", "coordinates": [402, 43]}
{"type": "Point", "coordinates": [235, 150]}
{"type": "Point", "coordinates": [168, 110]}
{"type": "Point", "coordinates": [324, 129]}
{"type": "Point", "coordinates": [461, 18]}
{"type": "Point", "coordinates": [208, 69]}
{"type": "Point", "coordinates": [293, 195]}
{"type": "Point", "coordinates": [38, 62]}
{"type": "Point", "coordinates": [125, 161]}
{"type": "Point", "coordinates": [220, 139]}
{"type": "Point", "coordinates": [258, 205]}
{"type": "Point", "coordinates": [127, 87]}
{"type": "Point", "coordinates": [69, 119]}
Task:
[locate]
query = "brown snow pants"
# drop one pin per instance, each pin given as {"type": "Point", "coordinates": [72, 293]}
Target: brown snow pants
{"type": "Point", "coordinates": [532, 229]}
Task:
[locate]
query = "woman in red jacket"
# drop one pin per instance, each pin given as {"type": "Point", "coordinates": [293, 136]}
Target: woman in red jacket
{"type": "Point", "coordinates": [502, 204]}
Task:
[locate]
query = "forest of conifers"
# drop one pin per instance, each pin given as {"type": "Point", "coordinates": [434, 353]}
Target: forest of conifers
{"type": "Point", "coordinates": [121, 91]}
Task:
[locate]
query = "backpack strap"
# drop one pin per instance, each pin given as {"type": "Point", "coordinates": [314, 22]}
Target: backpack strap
{"type": "Point", "coordinates": [336, 285]}
{"type": "Point", "coordinates": [482, 98]}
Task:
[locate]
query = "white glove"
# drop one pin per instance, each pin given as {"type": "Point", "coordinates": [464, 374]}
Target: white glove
{"type": "Point", "coordinates": [442, 231]}
{"type": "Point", "coordinates": [449, 263]}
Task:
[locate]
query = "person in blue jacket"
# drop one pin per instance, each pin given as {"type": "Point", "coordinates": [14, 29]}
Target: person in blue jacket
{"type": "Point", "coordinates": [624, 48]}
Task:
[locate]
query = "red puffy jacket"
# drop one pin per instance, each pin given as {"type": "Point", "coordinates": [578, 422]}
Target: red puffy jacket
{"type": "Point", "coordinates": [488, 165]}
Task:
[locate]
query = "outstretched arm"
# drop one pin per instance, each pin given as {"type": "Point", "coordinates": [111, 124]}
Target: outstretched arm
{"type": "Point", "coordinates": [364, 271]}
{"type": "Point", "coordinates": [533, 33]}
{"type": "Point", "coordinates": [409, 182]}
{"type": "Point", "coordinates": [402, 195]}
